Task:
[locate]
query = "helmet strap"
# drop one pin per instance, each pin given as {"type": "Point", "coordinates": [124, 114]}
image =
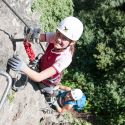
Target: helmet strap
{"type": "Point", "coordinates": [60, 50]}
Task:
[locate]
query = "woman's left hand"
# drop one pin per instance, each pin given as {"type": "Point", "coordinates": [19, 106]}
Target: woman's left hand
{"type": "Point", "coordinates": [16, 63]}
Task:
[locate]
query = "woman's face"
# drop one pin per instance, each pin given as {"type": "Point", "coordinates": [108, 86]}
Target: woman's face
{"type": "Point", "coordinates": [61, 41]}
{"type": "Point", "coordinates": [69, 96]}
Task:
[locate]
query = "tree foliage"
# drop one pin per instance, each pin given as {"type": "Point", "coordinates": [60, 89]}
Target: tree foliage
{"type": "Point", "coordinates": [99, 63]}
{"type": "Point", "coordinates": [52, 11]}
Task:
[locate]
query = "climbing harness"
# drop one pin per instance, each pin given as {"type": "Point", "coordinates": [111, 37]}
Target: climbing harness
{"type": "Point", "coordinates": [6, 91]}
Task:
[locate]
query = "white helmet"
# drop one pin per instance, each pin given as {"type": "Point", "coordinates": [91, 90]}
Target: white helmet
{"type": "Point", "coordinates": [71, 27]}
{"type": "Point", "coordinates": [76, 94]}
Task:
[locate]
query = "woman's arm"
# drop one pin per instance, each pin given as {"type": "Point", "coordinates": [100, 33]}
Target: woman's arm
{"type": "Point", "coordinates": [38, 77]}
{"type": "Point", "coordinates": [64, 109]}
{"type": "Point", "coordinates": [65, 88]}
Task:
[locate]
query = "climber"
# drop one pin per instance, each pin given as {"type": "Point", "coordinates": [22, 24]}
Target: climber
{"type": "Point", "coordinates": [58, 55]}
{"type": "Point", "coordinates": [68, 99]}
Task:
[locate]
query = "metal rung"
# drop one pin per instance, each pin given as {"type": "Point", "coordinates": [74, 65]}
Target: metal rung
{"type": "Point", "coordinates": [6, 91]}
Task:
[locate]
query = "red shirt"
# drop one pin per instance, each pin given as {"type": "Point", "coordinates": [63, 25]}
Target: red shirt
{"type": "Point", "coordinates": [59, 61]}
{"type": "Point", "coordinates": [46, 61]}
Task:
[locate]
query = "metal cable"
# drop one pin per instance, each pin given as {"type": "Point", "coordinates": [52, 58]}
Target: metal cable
{"type": "Point", "coordinates": [15, 13]}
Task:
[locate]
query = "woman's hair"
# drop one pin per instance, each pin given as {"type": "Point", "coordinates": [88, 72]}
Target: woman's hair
{"type": "Point", "coordinates": [72, 48]}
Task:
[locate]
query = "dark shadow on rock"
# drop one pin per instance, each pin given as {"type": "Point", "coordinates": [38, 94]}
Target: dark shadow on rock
{"type": "Point", "coordinates": [21, 81]}
{"type": "Point", "coordinates": [34, 85]}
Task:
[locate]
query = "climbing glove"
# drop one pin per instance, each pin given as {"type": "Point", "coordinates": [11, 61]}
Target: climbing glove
{"type": "Point", "coordinates": [16, 63]}
{"type": "Point", "coordinates": [32, 34]}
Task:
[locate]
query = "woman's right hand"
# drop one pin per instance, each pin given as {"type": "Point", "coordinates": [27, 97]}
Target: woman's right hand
{"type": "Point", "coordinates": [32, 34]}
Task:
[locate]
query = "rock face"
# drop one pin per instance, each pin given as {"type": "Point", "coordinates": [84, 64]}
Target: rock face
{"type": "Point", "coordinates": [27, 106]}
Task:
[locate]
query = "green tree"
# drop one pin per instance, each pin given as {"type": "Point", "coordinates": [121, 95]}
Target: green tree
{"type": "Point", "coordinates": [98, 66]}
{"type": "Point", "coordinates": [52, 11]}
